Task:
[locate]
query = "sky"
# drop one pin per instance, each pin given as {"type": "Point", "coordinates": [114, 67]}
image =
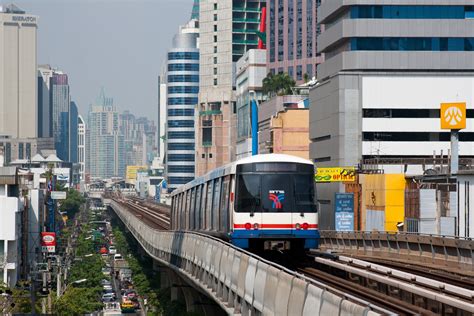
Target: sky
{"type": "Point", "coordinates": [116, 44]}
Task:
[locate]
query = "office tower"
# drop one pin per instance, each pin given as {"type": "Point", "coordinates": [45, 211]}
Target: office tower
{"type": "Point", "coordinates": [45, 127]}
{"type": "Point", "coordinates": [291, 38]}
{"type": "Point", "coordinates": [182, 97]}
{"type": "Point", "coordinates": [81, 146]}
{"type": "Point", "coordinates": [18, 73]}
{"type": "Point", "coordinates": [73, 133]}
{"type": "Point", "coordinates": [227, 30]}
{"type": "Point", "coordinates": [106, 154]}
{"type": "Point", "coordinates": [60, 105]}
{"type": "Point", "coordinates": [161, 130]}
{"type": "Point", "coordinates": [195, 12]}
{"type": "Point", "coordinates": [387, 69]}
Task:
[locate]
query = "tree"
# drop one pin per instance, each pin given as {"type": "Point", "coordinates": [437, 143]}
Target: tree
{"type": "Point", "coordinates": [280, 84]}
{"type": "Point", "coordinates": [72, 203]}
{"type": "Point", "coordinates": [78, 301]}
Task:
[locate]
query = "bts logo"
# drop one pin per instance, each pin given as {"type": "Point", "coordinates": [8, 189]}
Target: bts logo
{"type": "Point", "coordinates": [276, 196]}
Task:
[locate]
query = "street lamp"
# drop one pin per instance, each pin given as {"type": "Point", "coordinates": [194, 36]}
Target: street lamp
{"type": "Point", "coordinates": [74, 282]}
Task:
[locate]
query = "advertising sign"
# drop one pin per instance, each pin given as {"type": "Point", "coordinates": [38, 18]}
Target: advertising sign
{"type": "Point", "coordinates": [344, 212]}
{"type": "Point", "coordinates": [132, 171]}
{"type": "Point", "coordinates": [453, 115]}
{"type": "Point", "coordinates": [58, 195]}
{"type": "Point", "coordinates": [340, 174]}
{"type": "Point", "coordinates": [48, 242]}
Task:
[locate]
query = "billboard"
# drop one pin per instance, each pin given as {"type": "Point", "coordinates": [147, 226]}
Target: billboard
{"type": "Point", "coordinates": [453, 116]}
{"type": "Point", "coordinates": [58, 195]}
{"type": "Point", "coordinates": [339, 174]}
{"type": "Point", "coordinates": [48, 242]}
{"type": "Point", "coordinates": [132, 172]}
{"type": "Point", "coordinates": [344, 212]}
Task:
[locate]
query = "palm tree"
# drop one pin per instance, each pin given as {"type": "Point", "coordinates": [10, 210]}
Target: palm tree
{"type": "Point", "coordinates": [279, 84]}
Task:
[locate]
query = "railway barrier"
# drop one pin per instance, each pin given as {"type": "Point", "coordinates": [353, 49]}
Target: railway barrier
{"type": "Point", "coordinates": [444, 251]}
{"type": "Point", "coordinates": [240, 282]}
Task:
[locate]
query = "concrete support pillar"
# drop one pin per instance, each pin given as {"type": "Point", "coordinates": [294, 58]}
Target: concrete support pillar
{"type": "Point", "coordinates": [163, 272]}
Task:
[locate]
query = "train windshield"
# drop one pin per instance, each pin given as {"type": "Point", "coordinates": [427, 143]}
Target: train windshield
{"type": "Point", "coordinates": [275, 193]}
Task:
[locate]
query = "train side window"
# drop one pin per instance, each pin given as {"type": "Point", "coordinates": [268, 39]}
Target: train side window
{"type": "Point", "coordinates": [188, 209]}
{"type": "Point", "coordinates": [172, 210]}
{"type": "Point", "coordinates": [224, 204]}
{"type": "Point", "coordinates": [182, 220]}
{"type": "Point", "coordinates": [203, 206]}
{"type": "Point", "coordinates": [210, 187]}
{"type": "Point", "coordinates": [191, 212]}
{"type": "Point", "coordinates": [216, 204]}
{"type": "Point", "coordinates": [197, 211]}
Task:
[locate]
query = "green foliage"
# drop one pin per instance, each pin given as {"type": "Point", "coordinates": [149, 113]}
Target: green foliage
{"type": "Point", "coordinates": [279, 84]}
{"type": "Point", "coordinates": [72, 203]}
{"type": "Point", "coordinates": [78, 301]}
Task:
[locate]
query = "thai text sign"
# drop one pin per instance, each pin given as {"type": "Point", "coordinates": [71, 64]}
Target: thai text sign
{"type": "Point", "coordinates": [48, 242]}
{"type": "Point", "coordinates": [58, 195]}
{"type": "Point", "coordinates": [453, 115]}
{"type": "Point", "coordinates": [340, 174]}
{"type": "Point", "coordinates": [344, 212]}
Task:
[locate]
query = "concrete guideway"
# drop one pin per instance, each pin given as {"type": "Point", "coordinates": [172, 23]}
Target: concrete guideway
{"type": "Point", "coordinates": [240, 282]}
{"type": "Point", "coordinates": [452, 254]}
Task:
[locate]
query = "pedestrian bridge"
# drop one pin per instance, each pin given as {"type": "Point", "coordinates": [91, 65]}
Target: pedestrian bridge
{"type": "Point", "coordinates": [238, 281]}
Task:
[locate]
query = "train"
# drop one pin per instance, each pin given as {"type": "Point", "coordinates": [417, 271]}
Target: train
{"type": "Point", "coordinates": [263, 202]}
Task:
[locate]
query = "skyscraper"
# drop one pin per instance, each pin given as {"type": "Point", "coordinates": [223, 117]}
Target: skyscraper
{"type": "Point", "coordinates": [81, 146]}
{"type": "Point", "coordinates": [45, 128]}
{"type": "Point", "coordinates": [106, 154]}
{"type": "Point", "coordinates": [182, 97]}
{"type": "Point", "coordinates": [18, 75]}
{"type": "Point", "coordinates": [73, 133]}
{"type": "Point", "coordinates": [60, 105]}
{"type": "Point", "coordinates": [227, 30]}
{"type": "Point", "coordinates": [291, 38]}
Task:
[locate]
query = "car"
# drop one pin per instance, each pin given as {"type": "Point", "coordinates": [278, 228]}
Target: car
{"type": "Point", "coordinates": [131, 294]}
{"type": "Point", "coordinates": [108, 297]}
{"type": "Point", "coordinates": [118, 257]}
{"type": "Point", "coordinates": [107, 287]}
{"type": "Point", "coordinates": [112, 250]}
{"type": "Point", "coordinates": [105, 256]}
{"type": "Point", "coordinates": [105, 282]}
{"type": "Point", "coordinates": [106, 271]}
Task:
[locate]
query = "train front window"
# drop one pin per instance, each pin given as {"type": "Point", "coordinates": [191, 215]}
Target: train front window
{"type": "Point", "coordinates": [304, 193]}
{"type": "Point", "coordinates": [248, 193]}
{"type": "Point", "coordinates": [277, 193]}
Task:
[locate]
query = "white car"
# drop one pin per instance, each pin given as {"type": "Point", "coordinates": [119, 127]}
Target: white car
{"type": "Point", "coordinates": [118, 257]}
{"type": "Point", "coordinates": [112, 250]}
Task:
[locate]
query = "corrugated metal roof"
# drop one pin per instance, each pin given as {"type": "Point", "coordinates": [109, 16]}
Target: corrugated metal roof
{"type": "Point", "coordinates": [8, 175]}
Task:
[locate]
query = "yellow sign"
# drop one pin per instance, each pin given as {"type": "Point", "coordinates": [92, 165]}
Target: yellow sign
{"type": "Point", "coordinates": [341, 174]}
{"type": "Point", "coordinates": [453, 115]}
{"type": "Point", "coordinates": [132, 171]}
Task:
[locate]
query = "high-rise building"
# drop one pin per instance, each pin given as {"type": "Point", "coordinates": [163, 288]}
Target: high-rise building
{"type": "Point", "coordinates": [161, 127]}
{"type": "Point", "coordinates": [291, 38]}
{"type": "Point", "coordinates": [45, 127]}
{"type": "Point", "coordinates": [81, 146]}
{"type": "Point", "coordinates": [195, 12]}
{"type": "Point", "coordinates": [106, 160]}
{"type": "Point", "coordinates": [227, 30]}
{"type": "Point", "coordinates": [182, 97]}
{"type": "Point", "coordinates": [73, 133]}
{"type": "Point", "coordinates": [18, 75]}
{"type": "Point", "coordinates": [60, 105]}
{"type": "Point", "coordinates": [388, 68]}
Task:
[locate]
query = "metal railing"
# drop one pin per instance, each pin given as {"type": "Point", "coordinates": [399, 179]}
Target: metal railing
{"type": "Point", "coordinates": [239, 281]}
{"type": "Point", "coordinates": [448, 251]}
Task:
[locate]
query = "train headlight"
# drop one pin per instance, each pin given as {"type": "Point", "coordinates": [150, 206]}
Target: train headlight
{"type": "Point", "coordinates": [248, 226]}
{"type": "Point", "coordinates": [255, 226]}
{"type": "Point", "coordinates": [305, 226]}
{"type": "Point", "coordinates": [298, 226]}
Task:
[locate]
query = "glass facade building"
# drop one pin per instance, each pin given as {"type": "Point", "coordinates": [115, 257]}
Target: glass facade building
{"type": "Point", "coordinates": [182, 97]}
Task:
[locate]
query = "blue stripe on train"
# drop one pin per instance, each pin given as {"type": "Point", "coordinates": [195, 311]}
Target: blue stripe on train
{"type": "Point", "coordinates": [240, 237]}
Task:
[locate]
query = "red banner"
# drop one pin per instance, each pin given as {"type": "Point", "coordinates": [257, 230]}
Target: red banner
{"type": "Point", "coordinates": [48, 242]}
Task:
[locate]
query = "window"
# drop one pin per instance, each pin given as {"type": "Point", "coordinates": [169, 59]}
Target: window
{"type": "Point", "coordinates": [272, 31]}
{"type": "Point", "coordinates": [277, 193]}
{"type": "Point", "coordinates": [304, 193]}
{"type": "Point", "coordinates": [177, 135]}
{"type": "Point", "coordinates": [309, 29]}
{"type": "Point", "coordinates": [180, 112]}
{"type": "Point", "coordinates": [210, 155]}
{"type": "Point", "coordinates": [415, 136]}
{"type": "Point", "coordinates": [215, 6]}
{"type": "Point", "coordinates": [207, 133]}
{"type": "Point", "coordinates": [180, 180]}
{"type": "Point", "coordinates": [215, 38]}
{"type": "Point", "coordinates": [215, 29]}
{"type": "Point", "coordinates": [410, 12]}
{"type": "Point", "coordinates": [309, 71]}
{"type": "Point", "coordinates": [183, 67]}
{"type": "Point", "coordinates": [183, 55]}
{"type": "Point", "coordinates": [291, 36]}
{"type": "Point", "coordinates": [215, 71]}
{"type": "Point", "coordinates": [180, 157]}
{"type": "Point", "coordinates": [182, 101]}
{"type": "Point", "coordinates": [184, 89]}
{"type": "Point", "coordinates": [20, 151]}
{"type": "Point", "coordinates": [209, 211]}
{"type": "Point", "coordinates": [215, 17]}
{"type": "Point", "coordinates": [299, 29]}
{"type": "Point", "coordinates": [180, 146]}
{"type": "Point", "coordinates": [248, 193]}
{"type": "Point", "coordinates": [299, 72]}
{"type": "Point", "coordinates": [215, 49]}
{"type": "Point", "coordinates": [180, 123]}
{"type": "Point", "coordinates": [183, 78]}
{"type": "Point", "coordinates": [290, 71]}
{"type": "Point", "coordinates": [215, 81]}
{"type": "Point", "coordinates": [180, 169]}
{"type": "Point", "coordinates": [216, 203]}
{"type": "Point", "coordinates": [412, 44]}
{"type": "Point", "coordinates": [215, 60]}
